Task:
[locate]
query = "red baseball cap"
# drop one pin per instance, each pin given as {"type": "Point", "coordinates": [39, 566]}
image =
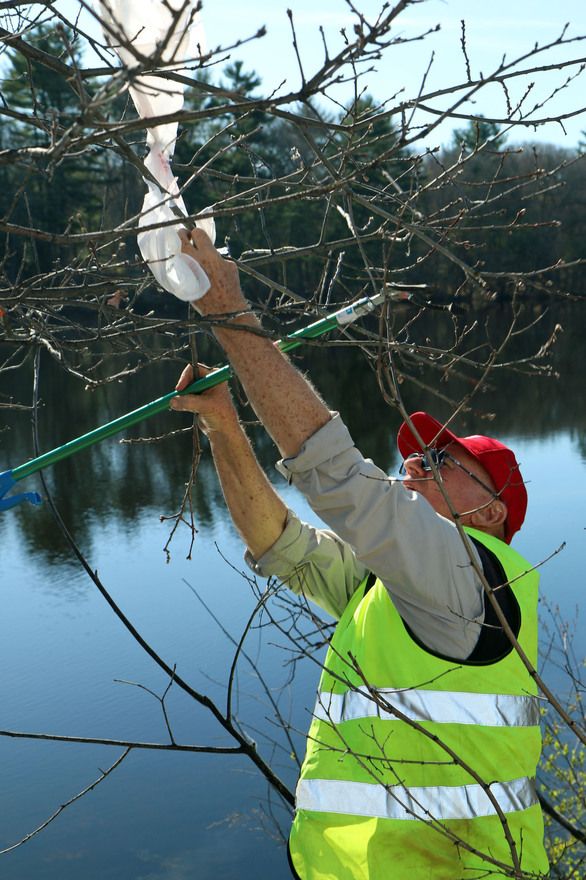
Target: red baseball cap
{"type": "Point", "coordinates": [497, 459]}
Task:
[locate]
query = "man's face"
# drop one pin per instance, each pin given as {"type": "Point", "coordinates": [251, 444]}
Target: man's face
{"type": "Point", "coordinates": [465, 493]}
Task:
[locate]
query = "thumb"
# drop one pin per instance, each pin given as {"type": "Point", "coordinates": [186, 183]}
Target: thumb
{"type": "Point", "coordinates": [201, 240]}
{"type": "Point", "coordinates": [185, 379]}
{"type": "Point", "coordinates": [190, 375]}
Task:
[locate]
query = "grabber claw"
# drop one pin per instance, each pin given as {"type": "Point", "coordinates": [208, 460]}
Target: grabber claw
{"type": "Point", "coordinates": [7, 481]}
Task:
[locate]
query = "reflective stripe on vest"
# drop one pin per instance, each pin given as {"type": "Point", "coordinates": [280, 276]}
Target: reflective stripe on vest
{"type": "Point", "coordinates": [423, 803]}
{"type": "Point", "coordinates": [444, 707]}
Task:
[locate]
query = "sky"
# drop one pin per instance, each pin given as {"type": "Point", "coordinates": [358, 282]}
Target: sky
{"type": "Point", "coordinates": [500, 28]}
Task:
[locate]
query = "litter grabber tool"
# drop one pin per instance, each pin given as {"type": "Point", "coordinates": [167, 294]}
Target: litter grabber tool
{"type": "Point", "coordinates": [337, 320]}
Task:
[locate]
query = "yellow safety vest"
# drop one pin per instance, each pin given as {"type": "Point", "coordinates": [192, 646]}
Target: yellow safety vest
{"type": "Point", "coordinates": [418, 767]}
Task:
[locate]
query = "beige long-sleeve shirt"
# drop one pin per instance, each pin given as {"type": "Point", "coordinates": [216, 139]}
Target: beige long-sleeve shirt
{"type": "Point", "coordinates": [376, 525]}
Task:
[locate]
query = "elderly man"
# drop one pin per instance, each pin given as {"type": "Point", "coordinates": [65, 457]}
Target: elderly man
{"type": "Point", "coordinates": [422, 751]}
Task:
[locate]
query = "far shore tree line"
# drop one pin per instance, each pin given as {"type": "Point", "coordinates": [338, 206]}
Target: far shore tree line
{"type": "Point", "coordinates": [505, 206]}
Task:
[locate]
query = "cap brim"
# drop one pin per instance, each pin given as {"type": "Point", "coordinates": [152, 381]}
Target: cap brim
{"type": "Point", "coordinates": [431, 432]}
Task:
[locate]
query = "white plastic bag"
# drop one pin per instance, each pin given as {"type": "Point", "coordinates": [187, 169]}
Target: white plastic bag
{"type": "Point", "coordinates": [146, 24]}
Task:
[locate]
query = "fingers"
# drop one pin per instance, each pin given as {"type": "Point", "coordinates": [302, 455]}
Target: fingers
{"type": "Point", "coordinates": [198, 246]}
{"type": "Point", "coordinates": [186, 403]}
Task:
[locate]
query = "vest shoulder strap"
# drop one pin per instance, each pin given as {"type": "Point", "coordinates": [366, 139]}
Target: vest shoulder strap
{"type": "Point", "coordinates": [493, 644]}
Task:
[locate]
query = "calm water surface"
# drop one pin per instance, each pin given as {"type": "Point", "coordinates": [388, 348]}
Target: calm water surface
{"type": "Point", "coordinates": [169, 816]}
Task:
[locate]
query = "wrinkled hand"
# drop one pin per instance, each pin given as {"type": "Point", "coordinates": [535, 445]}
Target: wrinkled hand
{"type": "Point", "coordinates": [214, 407]}
{"type": "Point", "coordinates": [224, 294]}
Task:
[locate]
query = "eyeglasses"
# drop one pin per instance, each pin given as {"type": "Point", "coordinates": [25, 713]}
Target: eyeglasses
{"type": "Point", "coordinates": [439, 457]}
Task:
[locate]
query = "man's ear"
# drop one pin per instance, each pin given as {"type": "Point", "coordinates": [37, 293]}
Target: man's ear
{"type": "Point", "coordinates": [491, 516]}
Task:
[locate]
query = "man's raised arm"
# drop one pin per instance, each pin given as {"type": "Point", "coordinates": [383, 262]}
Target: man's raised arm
{"type": "Point", "coordinates": [284, 401]}
{"type": "Point", "coordinates": [257, 511]}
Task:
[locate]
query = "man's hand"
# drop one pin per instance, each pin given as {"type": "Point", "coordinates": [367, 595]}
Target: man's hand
{"type": "Point", "coordinates": [224, 294]}
{"type": "Point", "coordinates": [214, 407]}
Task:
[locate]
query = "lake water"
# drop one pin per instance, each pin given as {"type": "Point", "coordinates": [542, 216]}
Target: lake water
{"type": "Point", "coordinates": [163, 816]}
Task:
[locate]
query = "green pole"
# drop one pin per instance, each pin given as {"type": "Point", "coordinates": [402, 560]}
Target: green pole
{"type": "Point", "coordinates": [340, 318]}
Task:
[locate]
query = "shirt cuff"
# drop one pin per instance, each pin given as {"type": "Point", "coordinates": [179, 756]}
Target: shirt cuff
{"type": "Point", "coordinates": [327, 442]}
{"type": "Point", "coordinates": [287, 552]}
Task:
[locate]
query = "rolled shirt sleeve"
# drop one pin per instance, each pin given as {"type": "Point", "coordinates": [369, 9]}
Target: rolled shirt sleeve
{"type": "Point", "coordinates": [391, 531]}
{"type": "Point", "coordinates": [312, 562]}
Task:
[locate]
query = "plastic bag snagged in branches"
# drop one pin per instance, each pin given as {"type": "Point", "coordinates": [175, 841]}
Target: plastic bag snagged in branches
{"type": "Point", "coordinates": [168, 33]}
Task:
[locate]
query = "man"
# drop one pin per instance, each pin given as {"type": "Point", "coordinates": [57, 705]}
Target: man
{"type": "Point", "coordinates": [424, 742]}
